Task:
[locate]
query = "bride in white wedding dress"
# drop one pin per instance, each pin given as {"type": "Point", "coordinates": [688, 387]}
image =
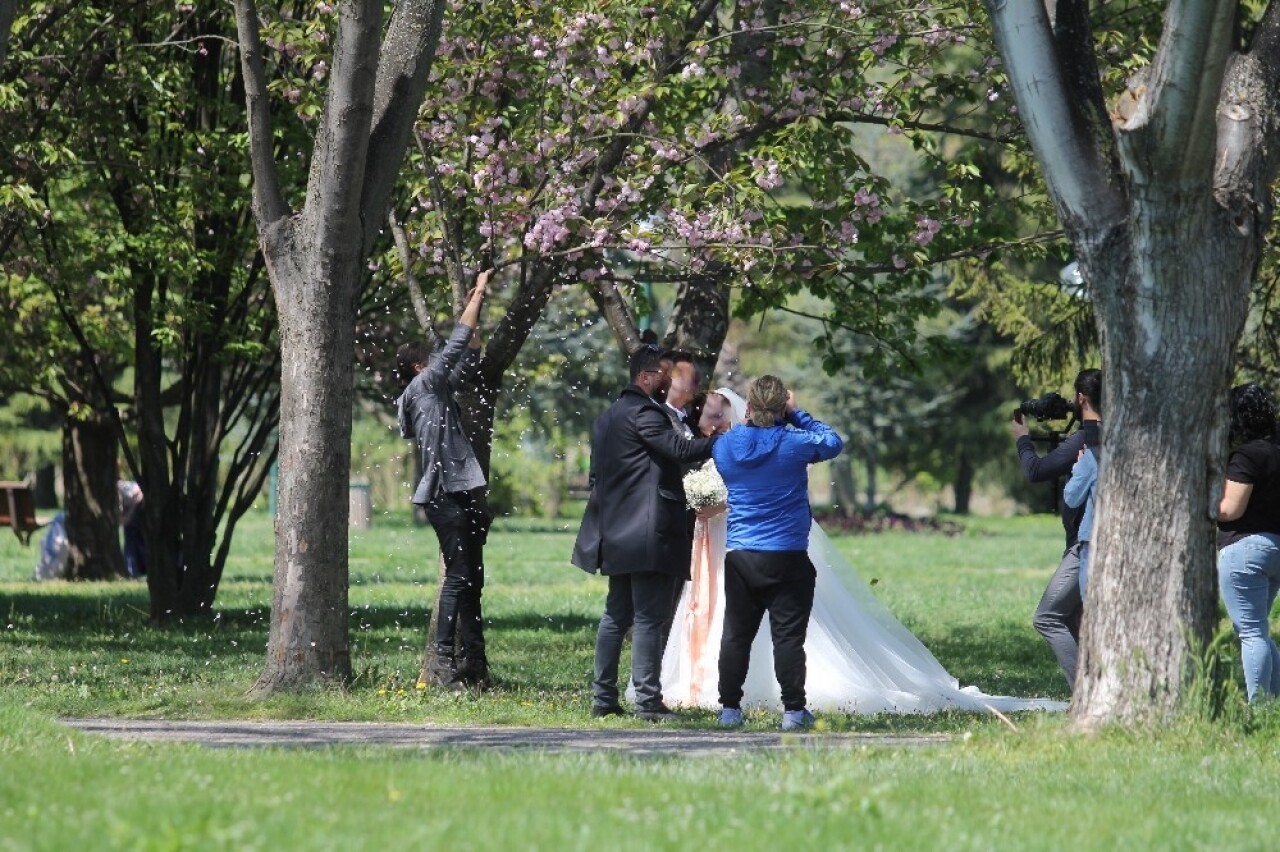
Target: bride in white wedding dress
{"type": "Point", "coordinates": [860, 659]}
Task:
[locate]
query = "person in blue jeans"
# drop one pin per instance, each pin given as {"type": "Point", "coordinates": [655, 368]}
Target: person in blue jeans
{"type": "Point", "coordinates": [1249, 536]}
{"type": "Point", "coordinates": [1079, 491]}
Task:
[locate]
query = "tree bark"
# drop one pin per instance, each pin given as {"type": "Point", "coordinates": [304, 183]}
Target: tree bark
{"type": "Point", "coordinates": [91, 502]}
{"type": "Point", "coordinates": [308, 639]}
{"type": "Point", "coordinates": [699, 320]}
{"type": "Point", "coordinates": [1152, 591]}
{"type": "Point", "coordinates": [962, 487]}
{"type": "Point", "coordinates": [1168, 222]}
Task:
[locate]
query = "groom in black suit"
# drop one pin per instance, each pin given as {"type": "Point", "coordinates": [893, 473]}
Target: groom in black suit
{"type": "Point", "coordinates": [634, 532]}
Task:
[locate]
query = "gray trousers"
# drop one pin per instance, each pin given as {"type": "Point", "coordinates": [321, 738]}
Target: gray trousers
{"type": "Point", "coordinates": [1057, 616]}
{"type": "Point", "coordinates": [646, 601]}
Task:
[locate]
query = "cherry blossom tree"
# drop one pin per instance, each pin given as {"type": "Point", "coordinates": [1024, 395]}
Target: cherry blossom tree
{"type": "Point", "coordinates": [702, 144]}
{"type": "Point", "coordinates": [714, 147]}
{"type": "Point", "coordinates": [710, 146]}
{"type": "Point", "coordinates": [705, 144]}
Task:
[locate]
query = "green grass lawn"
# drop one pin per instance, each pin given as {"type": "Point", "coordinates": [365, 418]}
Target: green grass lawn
{"type": "Point", "coordinates": [85, 649]}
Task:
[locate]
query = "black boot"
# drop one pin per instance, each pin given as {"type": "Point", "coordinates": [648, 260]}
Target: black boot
{"type": "Point", "coordinates": [474, 671]}
{"type": "Point", "coordinates": [443, 673]}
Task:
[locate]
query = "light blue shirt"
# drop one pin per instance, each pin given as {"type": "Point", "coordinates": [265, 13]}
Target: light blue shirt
{"type": "Point", "coordinates": [1080, 489]}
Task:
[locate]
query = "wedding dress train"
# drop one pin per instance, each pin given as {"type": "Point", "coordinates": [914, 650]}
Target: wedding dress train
{"type": "Point", "coordinates": [860, 659]}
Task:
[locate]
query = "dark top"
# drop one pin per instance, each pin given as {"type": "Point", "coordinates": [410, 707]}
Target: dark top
{"type": "Point", "coordinates": [636, 517]}
{"type": "Point", "coordinates": [429, 414]}
{"type": "Point", "coordinates": [1256, 463]}
{"type": "Point", "coordinates": [1057, 463]}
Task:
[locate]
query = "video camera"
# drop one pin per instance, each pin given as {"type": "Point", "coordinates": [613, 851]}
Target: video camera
{"type": "Point", "coordinates": [1051, 406]}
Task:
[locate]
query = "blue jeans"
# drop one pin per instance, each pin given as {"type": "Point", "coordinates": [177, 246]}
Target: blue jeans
{"type": "Point", "coordinates": [1084, 567]}
{"type": "Point", "coordinates": [1249, 578]}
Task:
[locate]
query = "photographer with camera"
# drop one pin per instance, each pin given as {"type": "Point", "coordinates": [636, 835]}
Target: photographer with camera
{"type": "Point", "coordinates": [1057, 617]}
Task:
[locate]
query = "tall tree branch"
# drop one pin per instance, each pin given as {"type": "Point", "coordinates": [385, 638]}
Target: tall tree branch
{"type": "Point", "coordinates": [343, 143]}
{"type": "Point", "coordinates": [615, 312]}
{"type": "Point", "coordinates": [416, 298]}
{"type": "Point", "coordinates": [1171, 135]}
{"type": "Point", "coordinates": [407, 53]}
{"type": "Point", "coordinates": [1076, 171]}
{"type": "Point", "coordinates": [1249, 115]}
{"type": "Point", "coordinates": [1073, 35]}
{"type": "Point", "coordinates": [268, 201]}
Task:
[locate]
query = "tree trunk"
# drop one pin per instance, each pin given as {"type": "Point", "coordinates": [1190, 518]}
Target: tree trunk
{"type": "Point", "coordinates": [872, 462]}
{"type": "Point", "coordinates": [843, 486]}
{"type": "Point", "coordinates": [700, 318]}
{"type": "Point", "coordinates": [1152, 592]}
{"type": "Point", "coordinates": [963, 485]}
{"type": "Point", "coordinates": [46, 487]}
{"type": "Point", "coordinates": [92, 505]}
{"type": "Point", "coordinates": [376, 84]}
{"type": "Point", "coordinates": [309, 641]}
{"type": "Point", "coordinates": [179, 478]}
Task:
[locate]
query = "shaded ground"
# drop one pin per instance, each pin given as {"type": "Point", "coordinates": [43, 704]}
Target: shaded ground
{"type": "Point", "coordinates": [658, 740]}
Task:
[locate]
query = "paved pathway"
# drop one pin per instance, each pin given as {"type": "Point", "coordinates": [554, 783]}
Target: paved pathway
{"type": "Point", "coordinates": [657, 740]}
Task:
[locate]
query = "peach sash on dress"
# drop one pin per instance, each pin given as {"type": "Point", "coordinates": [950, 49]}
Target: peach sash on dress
{"type": "Point", "coordinates": [703, 591]}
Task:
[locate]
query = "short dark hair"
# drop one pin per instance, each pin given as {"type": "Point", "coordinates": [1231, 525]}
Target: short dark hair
{"type": "Point", "coordinates": [408, 357]}
{"type": "Point", "coordinates": [1253, 413]}
{"type": "Point", "coordinates": [1089, 383]}
{"type": "Point", "coordinates": [645, 357]}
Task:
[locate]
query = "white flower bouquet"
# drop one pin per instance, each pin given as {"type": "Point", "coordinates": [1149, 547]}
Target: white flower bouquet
{"type": "Point", "coordinates": [704, 488]}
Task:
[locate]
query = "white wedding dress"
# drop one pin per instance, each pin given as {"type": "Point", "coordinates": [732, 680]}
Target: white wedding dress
{"type": "Point", "coordinates": [860, 659]}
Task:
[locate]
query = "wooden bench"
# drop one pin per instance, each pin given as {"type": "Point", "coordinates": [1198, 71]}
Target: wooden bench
{"type": "Point", "coordinates": [18, 510]}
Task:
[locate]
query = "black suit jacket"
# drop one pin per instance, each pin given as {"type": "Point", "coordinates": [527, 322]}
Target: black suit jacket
{"type": "Point", "coordinates": [636, 514]}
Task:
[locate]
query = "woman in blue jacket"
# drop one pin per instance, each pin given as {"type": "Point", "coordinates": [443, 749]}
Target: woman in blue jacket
{"type": "Point", "coordinates": [765, 467]}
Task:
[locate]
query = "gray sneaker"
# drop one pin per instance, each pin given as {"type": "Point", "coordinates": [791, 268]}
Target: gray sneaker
{"type": "Point", "coordinates": [797, 720]}
{"type": "Point", "coordinates": [730, 717]}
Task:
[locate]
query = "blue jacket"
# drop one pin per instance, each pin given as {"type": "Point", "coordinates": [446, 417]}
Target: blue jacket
{"type": "Point", "coordinates": [1080, 488]}
{"type": "Point", "coordinates": [767, 473]}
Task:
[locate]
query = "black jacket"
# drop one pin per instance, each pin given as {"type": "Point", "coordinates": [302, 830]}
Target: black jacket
{"type": "Point", "coordinates": [636, 516]}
